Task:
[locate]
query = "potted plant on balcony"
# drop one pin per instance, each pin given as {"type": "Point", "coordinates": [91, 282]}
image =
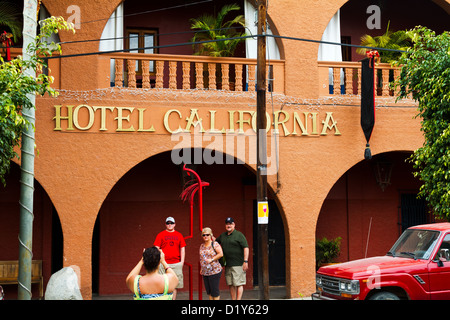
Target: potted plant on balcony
{"type": "Point", "coordinates": [327, 251]}
{"type": "Point", "coordinates": [222, 36]}
{"type": "Point", "coordinates": [211, 28]}
{"type": "Point", "coordinates": [397, 40]}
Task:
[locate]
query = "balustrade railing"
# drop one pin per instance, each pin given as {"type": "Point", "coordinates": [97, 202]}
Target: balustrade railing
{"type": "Point", "coordinates": [138, 70]}
{"type": "Point", "coordinates": [344, 78]}
{"type": "Point", "coordinates": [182, 72]}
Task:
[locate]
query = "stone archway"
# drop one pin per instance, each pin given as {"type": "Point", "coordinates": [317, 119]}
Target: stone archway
{"type": "Point", "coordinates": [363, 213]}
{"type": "Point", "coordinates": [47, 232]}
{"type": "Point", "coordinates": [374, 19]}
{"type": "Point", "coordinates": [135, 209]}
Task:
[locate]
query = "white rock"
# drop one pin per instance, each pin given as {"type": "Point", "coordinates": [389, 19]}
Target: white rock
{"type": "Point", "coordinates": [63, 285]}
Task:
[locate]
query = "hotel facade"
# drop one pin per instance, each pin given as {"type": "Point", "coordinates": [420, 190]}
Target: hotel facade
{"type": "Point", "coordinates": [111, 148]}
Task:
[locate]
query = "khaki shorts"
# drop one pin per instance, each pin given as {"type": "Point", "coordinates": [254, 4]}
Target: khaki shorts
{"type": "Point", "coordinates": [178, 269]}
{"type": "Point", "coordinates": [235, 276]}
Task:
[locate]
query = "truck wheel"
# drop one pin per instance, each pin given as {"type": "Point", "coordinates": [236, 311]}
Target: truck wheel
{"type": "Point", "coordinates": [384, 295]}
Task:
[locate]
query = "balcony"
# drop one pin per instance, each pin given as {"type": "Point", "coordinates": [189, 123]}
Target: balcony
{"type": "Point", "coordinates": [187, 72]}
{"type": "Point", "coordinates": [183, 72]}
{"type": "Point", "coordinates": [343, 79]}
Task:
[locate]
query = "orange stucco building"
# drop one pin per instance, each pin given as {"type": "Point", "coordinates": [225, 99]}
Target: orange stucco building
{"type": "Point", "coordinates": [109, 168]}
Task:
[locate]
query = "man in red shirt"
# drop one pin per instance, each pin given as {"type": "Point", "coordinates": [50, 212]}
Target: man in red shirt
{"type": "Point", "coordinates": [172, 243]}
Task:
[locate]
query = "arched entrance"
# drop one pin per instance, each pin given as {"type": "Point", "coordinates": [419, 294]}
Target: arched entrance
{"type": "Point", "coordinates": [367, 215]}
{"type": "Point", "coordinates": [47, 243]}
{"type": "Point", "coordinates": [400, 15]}
{"type": "Point", "coordinates": [135, 210]}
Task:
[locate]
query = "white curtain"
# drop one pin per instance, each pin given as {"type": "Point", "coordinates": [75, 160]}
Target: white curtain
{"type": "Point", "coordinates": [251, 44]}
{"type": "Point", "coordinates": [43, 14]}
{"type": "Point", "coordinates": [251, 23]}
{"type": "Point", "coordinates": [113, 31]}
{"type": "Point", "coordinates": [330, 52]}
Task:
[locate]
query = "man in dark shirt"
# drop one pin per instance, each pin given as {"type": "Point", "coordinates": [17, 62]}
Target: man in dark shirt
{"type": "Point", "coordinates": [235, 252]}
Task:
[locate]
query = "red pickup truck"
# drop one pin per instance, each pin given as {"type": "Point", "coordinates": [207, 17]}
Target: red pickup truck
{"type": "Point", "coordinates": [416, 268]}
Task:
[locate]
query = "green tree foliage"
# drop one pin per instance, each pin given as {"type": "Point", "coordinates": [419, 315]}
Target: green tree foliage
{"type": "Point", "coordinates": [397, 40]}
{"type": "Point", "coordinates": [425, 75]}
{"type": "Point", "coordinates": [15, 86]}
{"type": "Point", "coordinates": [217, 28]}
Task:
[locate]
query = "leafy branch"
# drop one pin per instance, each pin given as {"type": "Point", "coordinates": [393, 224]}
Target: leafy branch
{"type": "Point", "coordinates": [16, 85]}
{"type": "Point", "coordinates": [425, 75]}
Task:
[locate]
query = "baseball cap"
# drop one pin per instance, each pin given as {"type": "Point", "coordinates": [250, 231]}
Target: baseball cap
{"type": "Point", "coordinates": [170, 219]}
{"type": "Point", "coordinates": [229, 220]}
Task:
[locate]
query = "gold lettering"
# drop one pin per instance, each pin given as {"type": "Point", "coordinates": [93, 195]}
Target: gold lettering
{"type": "Point", "coordinates": [191, 122]}
{"type": "Point", "coordinates": [268, 121]}
{"type": "Point", "coordinates": [141, 122]}
{"type": "Point", "coordinates": [58, 118]}
{"type": "Point", "coordinates": [241, 120]}
{"type": "Point", "coordinates": [277, 122]}
{"type": "Point", "coordinates": [166, 120]}
{"type": "Point", "coordinates": [326, 125]}
{"type": "Point", "coordinates": [120, 118]}
{"type": "Point", "coordinates": [91, 117]}
{"type": "Point", "coordinates": [103, 116]}
{"type": "Point", "coordinates": [300, 124]}
{"type": "Point", "coordinates": [212, 123]}
{"type": "Point", "coordinates": [314, 123]}
{"type": "Point", "coordinates": [231, 119]}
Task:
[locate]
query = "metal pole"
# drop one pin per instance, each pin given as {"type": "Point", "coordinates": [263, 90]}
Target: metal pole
{"type": "Point", "coordinates": [261, 181]}
{"type": "Point", "coordinates": [27, 165]}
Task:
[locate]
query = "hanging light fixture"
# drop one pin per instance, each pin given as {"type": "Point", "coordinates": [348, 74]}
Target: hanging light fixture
{"type": "Point", "coordinates": [383, 171]}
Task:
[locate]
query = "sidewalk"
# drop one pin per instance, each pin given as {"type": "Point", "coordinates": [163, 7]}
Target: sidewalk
{"type": "Point", "coordinates": [275, 293]}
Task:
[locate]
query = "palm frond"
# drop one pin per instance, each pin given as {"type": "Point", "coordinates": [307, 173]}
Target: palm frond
{"type": "Point", "coordinates": [398, 40]}
{"type": "Point", "coordinates": [216, 28]}
{"type": "Point", "coordinates": [223, 12]}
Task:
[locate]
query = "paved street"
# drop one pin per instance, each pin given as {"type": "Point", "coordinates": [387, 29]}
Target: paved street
{"type": "Point", "coordinates": [275, 293]}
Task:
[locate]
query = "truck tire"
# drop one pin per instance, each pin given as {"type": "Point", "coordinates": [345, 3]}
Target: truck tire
{"type": "Point", "coordinates": [384, 295]}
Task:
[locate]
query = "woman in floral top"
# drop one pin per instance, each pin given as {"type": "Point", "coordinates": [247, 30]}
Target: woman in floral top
{"type": "Point", "coordinates": [210, 267]}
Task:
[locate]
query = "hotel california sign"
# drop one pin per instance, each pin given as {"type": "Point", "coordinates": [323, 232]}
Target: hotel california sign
{"type": "Point", "coordinates": [84, 117]}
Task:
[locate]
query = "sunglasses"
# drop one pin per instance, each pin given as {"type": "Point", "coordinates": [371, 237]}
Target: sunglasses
{"type": "Point", "coordinates": [205, 235]}
{"type": "Point", "coordinates": [170, 222]}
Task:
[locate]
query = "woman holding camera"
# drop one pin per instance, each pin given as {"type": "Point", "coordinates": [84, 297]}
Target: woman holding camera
{"type": "Point", "coordinates": [152, 286]}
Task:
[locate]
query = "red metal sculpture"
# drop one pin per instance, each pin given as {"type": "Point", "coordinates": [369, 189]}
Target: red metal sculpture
{"type": "Point", "coordinates": [188, 193]}
{"type": "Point", "coordinates": [191, 187]}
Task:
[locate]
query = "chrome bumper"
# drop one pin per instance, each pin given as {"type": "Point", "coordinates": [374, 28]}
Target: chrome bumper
{"type": "Point", "coordinates": [318, 296]}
